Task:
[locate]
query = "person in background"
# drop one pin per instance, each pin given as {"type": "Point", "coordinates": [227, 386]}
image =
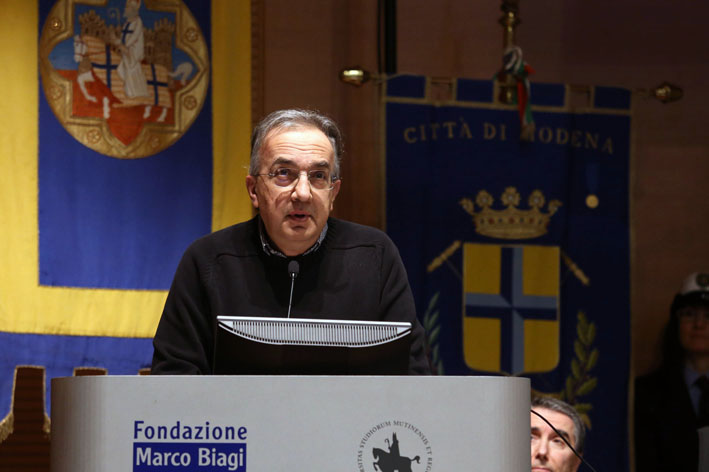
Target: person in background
{"type": "Point", "coordinates": [672, 402]}
{"type": "Point", "coordinates": [549, 452]}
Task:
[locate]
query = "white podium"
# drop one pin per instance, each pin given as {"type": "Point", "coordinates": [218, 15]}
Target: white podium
{"type": "Point", "coordinates": [289, 423]}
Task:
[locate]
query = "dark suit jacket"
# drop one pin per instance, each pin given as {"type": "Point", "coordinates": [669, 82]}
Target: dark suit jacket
{"type": "Point", "coordinates": [665, 424]}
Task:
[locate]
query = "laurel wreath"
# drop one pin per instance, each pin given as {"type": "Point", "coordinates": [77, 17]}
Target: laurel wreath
{"type": "Point", "coordinates": [580, 382]}
{"type": "Point", "coordinates": [433, 329]}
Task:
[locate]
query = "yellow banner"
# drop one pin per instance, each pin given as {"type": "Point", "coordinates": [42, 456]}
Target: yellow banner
{"type": "Point", "coordinates": [26, 307]}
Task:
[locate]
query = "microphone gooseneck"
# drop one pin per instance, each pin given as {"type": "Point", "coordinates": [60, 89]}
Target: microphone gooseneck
{"type": "Point", "coordinates": [293, 270]}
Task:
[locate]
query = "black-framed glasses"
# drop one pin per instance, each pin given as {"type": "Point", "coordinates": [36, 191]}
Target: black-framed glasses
{"type": "Point", "coordinates": [692, 313]}
{"type": "Point", "coordinates": [285, 177]}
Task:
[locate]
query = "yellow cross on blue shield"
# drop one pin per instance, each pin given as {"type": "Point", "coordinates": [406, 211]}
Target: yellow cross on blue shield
{"type": "Point", "coordinates": [510, 308]}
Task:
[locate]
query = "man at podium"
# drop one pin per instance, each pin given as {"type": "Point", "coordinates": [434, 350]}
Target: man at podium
{"type": "Point", "coordinates": [342, 270]}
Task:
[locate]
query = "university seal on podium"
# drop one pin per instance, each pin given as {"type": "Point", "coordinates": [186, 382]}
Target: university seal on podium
{"type": "Point", "coordinates": [394, 445]}
{"type": "Point", "coordinates": [126, 78]}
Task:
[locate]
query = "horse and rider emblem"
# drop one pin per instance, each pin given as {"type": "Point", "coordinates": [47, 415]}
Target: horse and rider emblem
{"type": "Point", "coordinates": [125, 78]}
{"type": "Point", "coordinates": [391, 460]}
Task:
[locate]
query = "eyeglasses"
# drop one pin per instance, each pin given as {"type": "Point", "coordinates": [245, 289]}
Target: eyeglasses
{"type": "Point", "coordinates": [286, 177]}
{"type": "Point", "coordinates": [693, 314]}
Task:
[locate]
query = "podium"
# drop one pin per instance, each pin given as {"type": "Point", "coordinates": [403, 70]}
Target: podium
{"type": "Point", "coordinates": [290, 423]}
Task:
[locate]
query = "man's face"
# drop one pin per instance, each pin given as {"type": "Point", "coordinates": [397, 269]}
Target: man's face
{"type": "Point", "coordinates": [694, 329]}
{"type": "Point", "coordinates": [294, 216]}
{"type": "Point", "coordinates": [549, 452]}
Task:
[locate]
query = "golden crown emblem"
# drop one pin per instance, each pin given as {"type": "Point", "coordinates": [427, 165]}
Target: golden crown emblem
{"type": "Point", "coordinates": [510, 223]}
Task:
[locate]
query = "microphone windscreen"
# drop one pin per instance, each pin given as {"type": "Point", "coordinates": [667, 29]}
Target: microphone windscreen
{"type": "Point", "coordinates": [293, 268]}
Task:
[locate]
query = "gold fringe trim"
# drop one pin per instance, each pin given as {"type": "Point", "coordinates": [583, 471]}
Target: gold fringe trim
{"type": "Point", "coordinates": [47, 426]}
{"type": "Point", "coordinates": [6, 426]}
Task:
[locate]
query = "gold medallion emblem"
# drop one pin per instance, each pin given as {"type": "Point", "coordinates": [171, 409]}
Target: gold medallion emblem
{"type": "Point", "coordinates": [124, 78]}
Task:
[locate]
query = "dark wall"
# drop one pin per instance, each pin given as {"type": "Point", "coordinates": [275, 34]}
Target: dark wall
{"type": "Point", "coordinates": [634, 44]}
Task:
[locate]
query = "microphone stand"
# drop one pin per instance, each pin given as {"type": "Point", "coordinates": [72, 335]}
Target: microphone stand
{"type": "Point", "coordinates": [293, 269]}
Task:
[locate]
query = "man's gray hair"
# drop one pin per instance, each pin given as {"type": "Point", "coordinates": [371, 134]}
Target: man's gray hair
{"type": "Point", "coordinates": [295, 118]}
{"type": "Point", "coordinates": [560, 406]}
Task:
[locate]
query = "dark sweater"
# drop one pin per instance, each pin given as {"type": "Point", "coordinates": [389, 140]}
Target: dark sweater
{"type": "Point", "coordinates": [666, 437]}
{"type": "Point", "coordinates": [356, 274]}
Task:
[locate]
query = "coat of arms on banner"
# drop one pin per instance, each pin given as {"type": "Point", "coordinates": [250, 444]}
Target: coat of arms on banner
{"type": "Point", "coordinates": [125, 78]}
{"type": "Point", "coordinates": [510, 293]}
{"type": "Point", "coordinates": [510, 308]}
{"type": "Point", "coordinates": [517, 251]}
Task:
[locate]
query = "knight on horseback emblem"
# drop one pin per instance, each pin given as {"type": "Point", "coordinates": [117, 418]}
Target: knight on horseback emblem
{"type": "Point", "coordinates": [392, 460]}
{"type": "Point", "coordinates": [131, 44]}
{"type": "Point", "coordinates": [119, 86]}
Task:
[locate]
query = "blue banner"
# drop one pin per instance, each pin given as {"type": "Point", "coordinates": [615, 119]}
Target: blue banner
{"type": "Point", "coordinates": [518, 251]}
{"type": "Point", "coordinates": [120, 220]}
{"type": "Point", "coordinates": [115, 183]}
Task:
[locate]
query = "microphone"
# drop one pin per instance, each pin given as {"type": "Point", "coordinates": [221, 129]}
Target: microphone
{"type": "Point", "coordinates": [293, 270]}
